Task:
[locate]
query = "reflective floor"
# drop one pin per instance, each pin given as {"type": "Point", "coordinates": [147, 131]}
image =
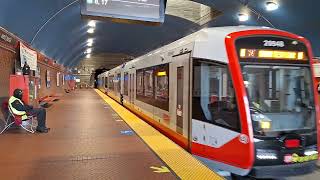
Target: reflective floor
{"type": "Point", "coordinates": [85, 142]}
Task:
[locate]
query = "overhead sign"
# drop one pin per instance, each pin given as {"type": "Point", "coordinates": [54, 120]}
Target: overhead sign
{"type": "Point", "coordinates": [29, 56]}
{"type": "Point", "coordinates": [131, 10]}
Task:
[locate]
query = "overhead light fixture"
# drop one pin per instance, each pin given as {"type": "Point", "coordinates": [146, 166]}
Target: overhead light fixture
{"type": "Point", "coordinates": [88, 56]}
{"type": "Point", "coordinates": [90, 40]}
{"type": "Point", "coordinates": [271, 6]}
{"type": "Point", "coordinates": [89, 44]}
{"type": "Point", "coordinates": [157, 51]}
{"type": "Point", "coordinates": [243, 17]}
{"type": "Point", "coordinates": [181, 42]}
{"type": "Point", "coordinates": [89, 50]}
{"type": "Point", "coordinates": [91, 30]}
{"type": "Point", "coordinates": [92, 23]}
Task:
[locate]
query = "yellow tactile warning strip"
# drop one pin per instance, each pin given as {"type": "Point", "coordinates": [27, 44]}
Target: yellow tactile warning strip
{"type": "Point", "coordinates": [180, 161]}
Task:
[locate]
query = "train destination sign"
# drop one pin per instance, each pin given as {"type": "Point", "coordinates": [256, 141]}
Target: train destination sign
{"type": "Point", "coordinates": [151, 11]}
{"type": "Point", "coordinates": [271, 49]}
{"type": "Point", "coordinates": [272, 54]}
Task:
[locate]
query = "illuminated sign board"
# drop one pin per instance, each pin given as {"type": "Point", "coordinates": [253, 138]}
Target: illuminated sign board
{"type": "Point", "coordinates": [162, 73]}
{"type": "Point", "coordinates": [275, 48]}
{"type": "Point", "coordinates": [272, 54]}
{"type": "Point", "coordinates": [151, 11]}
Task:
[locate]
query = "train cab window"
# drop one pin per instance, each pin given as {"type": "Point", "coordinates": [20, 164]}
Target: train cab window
{"type": "Point", "coordinates": [282, 95]}
{"type": "Point", "coordinates": [125, 84]}
{"type": "Point", "coordinates": [111, 85]}
{"type": "Point", "coordinates": [148, 83]}
{"type": "Point", "coordinates": [213, 96]}
{"type": "Point", "coordinates": [140, 83]}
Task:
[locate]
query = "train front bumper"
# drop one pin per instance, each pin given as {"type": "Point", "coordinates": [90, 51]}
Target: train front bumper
{"type": "Point", "coordinates": [283, 170]}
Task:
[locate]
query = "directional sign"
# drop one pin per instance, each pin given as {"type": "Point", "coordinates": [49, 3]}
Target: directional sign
{"type": "Point", "coordinates": [162, 169]}
{"type": "Point", "coordinates": [130, 10]}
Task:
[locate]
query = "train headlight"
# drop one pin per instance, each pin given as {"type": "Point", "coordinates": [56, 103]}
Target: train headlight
{"type": "Point", "coordinates": [311, 150]}
{"type": "Point", "coordinates": [265, 124]}
{"type": "Point", "coordinates": [263, 154]}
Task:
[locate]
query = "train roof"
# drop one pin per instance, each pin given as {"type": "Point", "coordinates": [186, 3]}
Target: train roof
{"type": "Point", "coordinates": [208, 37]}
{"type": "Point", "coordinates": [205, 40]}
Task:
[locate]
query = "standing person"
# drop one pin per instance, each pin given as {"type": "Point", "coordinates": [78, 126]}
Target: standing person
{"type": "Point", "coordinates": [19, 108]}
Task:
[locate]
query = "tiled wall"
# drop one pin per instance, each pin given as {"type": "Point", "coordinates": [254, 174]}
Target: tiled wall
{"type": "Point", "coordinates": [6, 68]}
{"type": "Point", "coordinates": [53, 89]}
{"type": "Point", "coordinates": [8, 57]}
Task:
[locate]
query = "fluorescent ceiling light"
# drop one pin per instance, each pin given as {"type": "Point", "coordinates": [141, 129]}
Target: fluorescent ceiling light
{"type": "Point", "coordinates": [89, 50]}
{"type": "Point", "coordinates": [88, 56]}
{"type": "Point", "coordinates": [271, 6]}
{"type": "Point", "coordinates": [90, 40]}
{"type": "Point", "coordinates": [89, 44]}
{"type": "Point", "coordinates": [92, 23]}
{"type": "Point", "coordinates": [243, 17]}
{"type": "Point", "coordinates": [91, 30]}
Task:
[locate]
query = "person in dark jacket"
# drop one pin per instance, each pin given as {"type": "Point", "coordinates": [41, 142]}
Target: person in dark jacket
{"type": "Point", "coordinates": [19, 108]}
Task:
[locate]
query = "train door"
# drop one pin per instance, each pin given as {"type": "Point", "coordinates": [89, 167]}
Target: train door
{"type": "Point", "coordinates": [180, 83]}
{"type": "Point", "coordinates": [131, 87]}
{"type": "Point", "coordinates": [216, 127]}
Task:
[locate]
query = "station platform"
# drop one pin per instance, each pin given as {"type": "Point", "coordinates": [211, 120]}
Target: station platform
{"type": "Point", "coordinates": [89, 140]}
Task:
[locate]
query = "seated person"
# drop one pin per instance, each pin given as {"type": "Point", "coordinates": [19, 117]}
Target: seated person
{"type": "Point", "coordinates": [19, 108]}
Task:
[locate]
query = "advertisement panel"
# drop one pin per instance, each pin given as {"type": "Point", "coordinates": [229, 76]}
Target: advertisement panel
{"type": "Point", "coordinates": [29, 56]}
{"type": "Point", "coordinates": [48, 79]}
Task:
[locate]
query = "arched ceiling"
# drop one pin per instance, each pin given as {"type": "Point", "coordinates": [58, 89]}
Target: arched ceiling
{"type": "Point", "coordinates": [64, 36]}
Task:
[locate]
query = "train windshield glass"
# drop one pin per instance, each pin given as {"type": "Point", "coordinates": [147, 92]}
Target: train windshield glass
{"type": "Point", "coordinates": [280, 98]}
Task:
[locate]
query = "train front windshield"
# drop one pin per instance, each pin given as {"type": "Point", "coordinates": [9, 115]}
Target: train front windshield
{"type": "Point", "coordinates": [278, 80]}
{"type": "Point", "coordinates": [280, 98]}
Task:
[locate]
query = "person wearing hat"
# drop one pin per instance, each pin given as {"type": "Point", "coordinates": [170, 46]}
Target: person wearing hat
{"type": "Point", "coordinates": [19, 108]}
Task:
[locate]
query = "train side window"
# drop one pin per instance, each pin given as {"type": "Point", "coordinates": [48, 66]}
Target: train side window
{"type": "Point", "coordinates": [125, 84]}
{"type": "Point", "coordinates": [106, 82]}
{"type": "Point", "coordinates": [153, 86]}
{"type": "Point", "coordinates": [118, 81]}
{"type": "Point", "coordinates": [111, 85]}
{"type": "Point", "coordinates": [213, 95]}
{"type": "Point", "coordinates": [162, 86]}
{"type": "Point", "coordinates": [140, 82]}
{"type": "Point", "coordinates": [148, 83]}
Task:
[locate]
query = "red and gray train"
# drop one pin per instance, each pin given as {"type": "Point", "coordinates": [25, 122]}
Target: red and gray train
{"type": "Point", "coordinates": [240, 99]}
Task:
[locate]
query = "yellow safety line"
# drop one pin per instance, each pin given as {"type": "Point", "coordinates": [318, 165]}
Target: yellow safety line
{"type": "Point", "coordinates": [180, 161]}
